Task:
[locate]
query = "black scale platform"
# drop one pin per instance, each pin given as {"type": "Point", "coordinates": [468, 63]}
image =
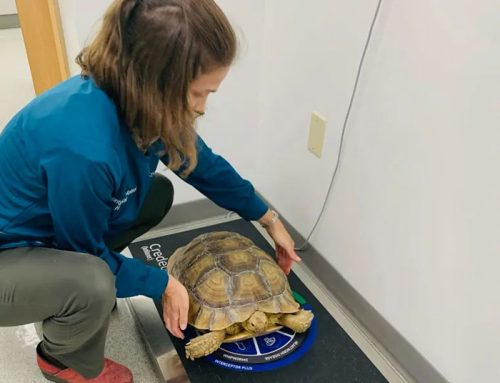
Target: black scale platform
{"type": "Point", "coordinates": [332, 357]}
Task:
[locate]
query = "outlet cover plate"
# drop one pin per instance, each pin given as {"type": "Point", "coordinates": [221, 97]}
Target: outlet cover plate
{"type": "Point", "coordinates": [317, 129]}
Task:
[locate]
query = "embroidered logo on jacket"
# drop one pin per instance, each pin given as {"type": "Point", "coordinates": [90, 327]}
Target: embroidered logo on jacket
{"type": "Point", "coordinates": [120, 202]}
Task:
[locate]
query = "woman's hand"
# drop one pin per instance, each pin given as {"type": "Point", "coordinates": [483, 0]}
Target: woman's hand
{"type": "Point", "coordinates": [284, 244]}
{"type": "Point", "coordinates": [175, 307]}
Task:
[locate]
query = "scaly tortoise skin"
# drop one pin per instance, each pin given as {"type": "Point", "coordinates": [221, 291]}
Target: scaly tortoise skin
{"type": "Point", "coordinates": [236, 290]}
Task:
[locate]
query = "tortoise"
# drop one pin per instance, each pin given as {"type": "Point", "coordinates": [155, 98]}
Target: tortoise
{"type": "Point", "coordinates": [236, 291]}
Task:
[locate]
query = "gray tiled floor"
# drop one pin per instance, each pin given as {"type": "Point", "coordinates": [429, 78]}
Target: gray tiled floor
{"type": "Point", "coordinates": [17, 350]}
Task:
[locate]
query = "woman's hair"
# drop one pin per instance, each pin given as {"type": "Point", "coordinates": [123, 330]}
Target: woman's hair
{"type": "Point", "coordinates": [146, 55]}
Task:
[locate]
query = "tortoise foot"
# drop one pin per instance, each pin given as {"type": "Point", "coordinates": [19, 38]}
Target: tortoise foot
{"type": "Point", "coordinates": [299, 321]}
{"type": "Point", "coordinates": [204, 345]}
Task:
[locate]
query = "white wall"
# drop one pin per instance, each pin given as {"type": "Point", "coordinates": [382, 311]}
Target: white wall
{"type": "Point", "coordinates": [231, 121]}
{"type": "Point", "coordinates": [413, 220]}
{"type": "Point", "coordinates": [8, 7]}
{"type": "Point", "coordinates": [15, 76]}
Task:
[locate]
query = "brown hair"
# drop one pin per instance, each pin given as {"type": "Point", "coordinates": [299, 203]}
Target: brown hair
{"type": "Point", "coordinates": [145, 56]}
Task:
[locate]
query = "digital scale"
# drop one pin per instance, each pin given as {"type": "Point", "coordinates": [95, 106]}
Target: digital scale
{"type": "Point", "coordinates": [324, 353]}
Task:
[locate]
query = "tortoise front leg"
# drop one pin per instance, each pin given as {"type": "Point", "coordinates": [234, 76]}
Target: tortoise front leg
{"type": "Point", "coordinates": [298, 322]}
{"type": "Point", "coordinates": [233, 329]}
{"type": "Point", "coordinates": [204, 345]}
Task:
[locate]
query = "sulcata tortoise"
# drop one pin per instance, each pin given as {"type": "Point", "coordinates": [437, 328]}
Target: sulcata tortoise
{"type": "Point", "coordinates": [236, 291]}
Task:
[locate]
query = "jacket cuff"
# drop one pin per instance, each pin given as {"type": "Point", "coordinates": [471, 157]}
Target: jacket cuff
{"type": "Point", "coordinates": [254, 210]}
{"type": "Point", "coordinates": [156, 282]}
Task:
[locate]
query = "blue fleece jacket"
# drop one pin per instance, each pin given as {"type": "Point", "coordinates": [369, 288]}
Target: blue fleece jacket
{"type": "Point", "coordinates": [71, 177]}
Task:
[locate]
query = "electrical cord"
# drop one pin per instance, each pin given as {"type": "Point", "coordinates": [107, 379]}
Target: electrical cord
{"type": "Point", "coordinates": [360, 66]}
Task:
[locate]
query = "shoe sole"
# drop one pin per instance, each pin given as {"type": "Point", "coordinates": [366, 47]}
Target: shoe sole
{"type": "Point", "coordinates": [53, 378]}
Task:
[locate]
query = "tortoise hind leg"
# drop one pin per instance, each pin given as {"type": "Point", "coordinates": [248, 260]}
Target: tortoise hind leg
{"type": "Point", "coordinates": [204, 345]}
{"type": "Point", "coordinates": [298, 322]}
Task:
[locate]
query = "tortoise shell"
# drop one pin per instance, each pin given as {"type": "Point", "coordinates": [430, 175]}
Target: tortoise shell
{"type": "Point", "coordinates": [228, 278]}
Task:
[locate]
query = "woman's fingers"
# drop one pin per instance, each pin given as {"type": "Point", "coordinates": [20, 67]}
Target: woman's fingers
{"type": "Point", "coordinates": [286, 259]}
{"type": "Point", "coordinates": [171, 316]}
{"type": "Point", "coordinates": [289, 250]}
{"type": "Point", "coordinates": [175, 308]}
{"type": "Point", "coordinates": [175, 322]}
{"type": "Point", "coordinates": [284, 262]}
{"type": "Point", "coordinates": [183, 316]}
{"type": "Point", "coordinates": [294, 256]}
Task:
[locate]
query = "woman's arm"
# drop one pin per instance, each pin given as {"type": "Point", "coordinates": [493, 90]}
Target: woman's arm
{"type": "Point", "coordinates": [214, 177]}
{"type": "Point", "coordinates": [80, 203]}
{"type": "Point", "coordinates": [218, 180]}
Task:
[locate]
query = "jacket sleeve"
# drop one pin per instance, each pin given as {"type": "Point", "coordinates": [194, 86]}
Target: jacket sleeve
{"type": "Point", "coordinates": [79, 193]}
{"type": "Point", "coordinates": [215, 178]}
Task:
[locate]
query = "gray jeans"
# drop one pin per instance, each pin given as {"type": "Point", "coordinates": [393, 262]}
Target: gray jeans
{"type": "Point", "coordinates": [71, 293]}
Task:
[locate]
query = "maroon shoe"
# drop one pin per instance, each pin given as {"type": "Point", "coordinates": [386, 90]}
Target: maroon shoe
{"type": "Point", "coordinates": [112, 373]}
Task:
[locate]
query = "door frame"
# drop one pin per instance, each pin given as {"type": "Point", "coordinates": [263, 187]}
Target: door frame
{"type": "Point", "coordinates": [43, 36]}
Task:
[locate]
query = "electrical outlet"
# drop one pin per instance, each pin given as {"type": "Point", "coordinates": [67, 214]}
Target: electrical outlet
{"type": "Point", "coordinates": [317, 129]}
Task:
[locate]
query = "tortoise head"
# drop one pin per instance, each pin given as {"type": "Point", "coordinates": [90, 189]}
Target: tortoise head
{"type": "Point", "coordinates": [256, 323]}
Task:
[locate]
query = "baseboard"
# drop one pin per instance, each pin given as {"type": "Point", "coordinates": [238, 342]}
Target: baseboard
{"type": "Point", "coordinates": [197, 210]}
{"type": "Point", "coordinates": [388, 339]}
{"type": "Point", "coordinates": [9, 21]}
